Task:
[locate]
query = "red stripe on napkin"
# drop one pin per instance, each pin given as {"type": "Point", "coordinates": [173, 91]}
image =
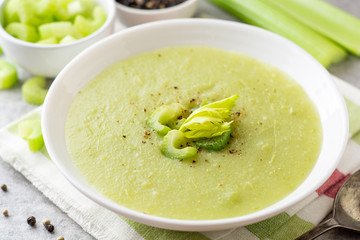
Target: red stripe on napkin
{"type": "Point", "coordinates": [332, 185]}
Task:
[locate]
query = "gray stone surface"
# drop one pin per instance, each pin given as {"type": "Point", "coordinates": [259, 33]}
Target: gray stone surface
{"type": "Point", "coordinates": [23, 199]}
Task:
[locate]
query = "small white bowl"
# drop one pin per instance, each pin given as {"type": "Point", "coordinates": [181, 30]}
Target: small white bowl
{"type": "Point", "coordinates": [49, 60]}
{"type": "Point", "coordinates": [258, 43]}
{"type": "Point", "coordinates": [131, 16]}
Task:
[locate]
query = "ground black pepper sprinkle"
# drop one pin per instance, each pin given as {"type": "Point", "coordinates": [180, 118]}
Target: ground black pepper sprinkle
{"type": "Point", "coordinates": [50, 227]}
{"type": "Point", "coordinates": [31, 220]}
{"type": "Point", "coordinates": [150, 4]}
{"type": "Point", "coordinates": [232, 151]}
{"type": "Point", "coordinates": [4, 187]}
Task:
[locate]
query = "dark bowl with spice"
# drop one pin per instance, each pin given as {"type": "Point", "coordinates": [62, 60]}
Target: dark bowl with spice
{"type": "Point", "coordinates": [134, 12]}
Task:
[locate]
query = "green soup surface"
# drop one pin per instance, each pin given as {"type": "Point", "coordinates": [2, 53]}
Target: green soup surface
{"type": "Point", "coordinates": [275, 142]}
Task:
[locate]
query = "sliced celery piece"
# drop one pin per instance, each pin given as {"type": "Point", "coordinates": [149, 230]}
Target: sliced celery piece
{"type": "Point", "coordinates": [30, 130]}
{"type": "Point", "coordinates": [51, 40]}
{"type": "Point", "coordinates": [87, 26]}
{"type": "Point", "coordinates": [62, 14]}
{"type": "Point", "coordinates": [33, 90]}
{"type": "Point", "coordinates": [20, 11]}
{"type": "Point", "coordinates": [8, 75]}
{"type": "Point", "coordinates": [67, 39]}
{"type": "Point", "coordinates": [164, 115]}
{"type": "Point", "coordinates": [174, 146]}
{"type": "Point", "coordinates": [260, 13]}
{"type": "Point", "coordinates": [326, 19]}
{"type": "Point", "coordinates": [45, 8]}
{"type": "Point", "coordinates": [215, 143]}
{"type": "Point", "coordinates": [57, 30]}
{"type": "Point", "coordinates": [83, 7]}
{"type": "Point", "coordinates": [22, 31]}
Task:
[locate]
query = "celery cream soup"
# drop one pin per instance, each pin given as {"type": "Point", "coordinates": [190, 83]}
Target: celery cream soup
{"type": "Point", "coordinates": [275, 141]}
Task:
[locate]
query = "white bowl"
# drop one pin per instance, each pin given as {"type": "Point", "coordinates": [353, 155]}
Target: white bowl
{"type": "Point", "coordinates": [49, 60]}
{"type": "Point", "coordinates": [261, 44]}
{"type": "Point", "coordinates": [131, 16]}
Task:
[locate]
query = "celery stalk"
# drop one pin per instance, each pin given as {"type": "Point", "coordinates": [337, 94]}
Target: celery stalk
{"type": "Point", "coordinates": [261, 14]}
{"type": "Point", "coordinates": [326, 19]}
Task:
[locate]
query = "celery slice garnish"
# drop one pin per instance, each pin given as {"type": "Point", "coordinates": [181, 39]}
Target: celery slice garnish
{"type": "Point", "coordinates": [207, 126]}
{"type": "Point", "coordinates": [33, 90]}
{"type": "Point", "coordinates": [163, 116]}
{"type": "Point", "coordinates": [209, 120]}
{"type": "Point", "coordinates": [326, 19]}
{"type": "Point", "coordinates": [215, 143]}
{"type": "Point", "coordinates": [8, 75]}
{"type": "Point", "coordinates": [30, 130]}
{"type": "Point", "coordinates": [174, 146]}
{"type": "Point", "coordinates": [261, 14]}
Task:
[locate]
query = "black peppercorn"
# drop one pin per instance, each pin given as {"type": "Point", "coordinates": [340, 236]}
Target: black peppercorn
{"type": "Point", "coordinates": [50, 227]}
{"type": "Point", "coordinates": [4, 187]}
{"type": "Point", "coordinates": [31, 220]}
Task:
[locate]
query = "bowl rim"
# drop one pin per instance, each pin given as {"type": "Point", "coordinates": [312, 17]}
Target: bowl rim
{"type": "Point", "coordinates": [111, 16]}
{"type": "Point", "coordinates": [150, 12]}
{"type": "Point", "coordinates": [179, 224]}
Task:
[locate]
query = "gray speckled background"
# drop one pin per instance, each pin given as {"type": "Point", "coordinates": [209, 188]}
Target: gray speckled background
{"type": "Point", "coordinates": [23, 199]}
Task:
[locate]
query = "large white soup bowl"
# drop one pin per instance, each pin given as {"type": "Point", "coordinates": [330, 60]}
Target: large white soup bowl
{"type": "Point", "coordinates": [260, 44]}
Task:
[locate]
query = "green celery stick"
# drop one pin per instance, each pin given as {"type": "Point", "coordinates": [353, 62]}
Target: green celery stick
{"type": "Point", "coordinates": [326, 19]}
{"type": "Point", "coordinates": [261, 14]}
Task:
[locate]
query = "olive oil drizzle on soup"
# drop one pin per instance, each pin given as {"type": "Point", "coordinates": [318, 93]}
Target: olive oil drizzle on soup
{"type": "Point", "coordinates": [275, 142]}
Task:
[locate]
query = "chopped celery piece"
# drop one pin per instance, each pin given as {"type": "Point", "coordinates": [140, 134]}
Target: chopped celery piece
{"type": "Point", "coordinates": [20, 11]}
{"type": "Point", "coordinates": [33, 90]}
{"type": "Point", "coordinates": [45, 8]}
{"type": "Point", "coordinates": [88, 26]}
{"type": "Point", "coordinates": [30, 130]}
{"type": "Point", "coordinates": [57, 30]}
{"type": "Point", "coordinates": [8, 75]}
{"type": "Point", "coordinates": [67, 39]}
{"type": "Point", "coordinates": [62, 14]}
{"type": "Point", "coordinates": [81, 7]}
{"type": "Point", "coordinates": [22, 31]}
{"type": "Point", "coordinates": [209, 120]}
{"type": "Point", "coordinates": [174, 146]}
{"type": "Point", "coordinates": [262, 14]}
{"type": "Point", "coordinates": [163, 116]}
{"type": "Point", "coordinates": [326, 19]}
{"type": "Point", "coordinates": [215, 143]}
{"type": "Point", "coordinates": [51, 40]}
